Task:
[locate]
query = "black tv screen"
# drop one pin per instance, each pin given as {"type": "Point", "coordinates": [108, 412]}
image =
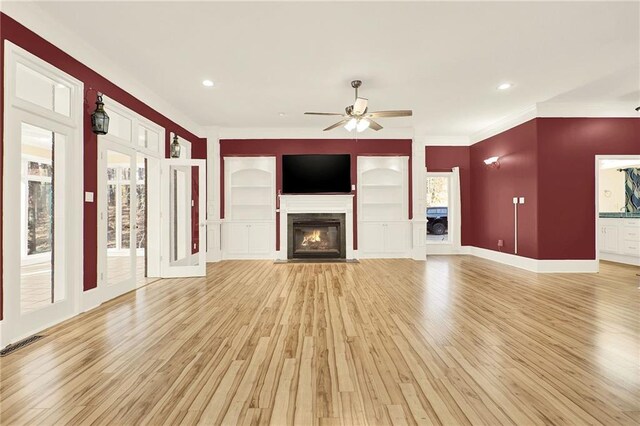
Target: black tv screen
{"type": "Point", "coordinates": [309, 173]}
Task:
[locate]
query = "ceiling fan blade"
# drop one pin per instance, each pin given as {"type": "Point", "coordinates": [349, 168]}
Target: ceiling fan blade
{"type": "Point", "coordinates": [360, 106]}
{"type": "Point", "coordinates": [323, 113]}
{"type": "Point", "coordinates": [338, 124]}
{"type": "Point", "coordinates": [373, 125]}
{"type": "Point", "coordinates": [394, 113]}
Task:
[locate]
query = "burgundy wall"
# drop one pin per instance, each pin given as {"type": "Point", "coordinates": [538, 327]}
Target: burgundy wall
{"type": "Point", "coordinates": [566, 184]}
{"type": "Point", "coordinates": [443, 159]}
{"type": "Point", "coordinates": [279, 147]}
{"type": "Point", "coordinates": [30, 41]}
{"type": "Point", "coordinates": [493, 189]}
{"type": "Point", "coordinates": [550, 162]}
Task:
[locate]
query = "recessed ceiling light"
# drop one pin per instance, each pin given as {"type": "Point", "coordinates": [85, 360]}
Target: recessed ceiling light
{"type": "Point", "coordinates": [207, 83]}
{"type": "Point", "coordinates": [281, 114]}
{"type": "Point", "coordinates": [505, 86]}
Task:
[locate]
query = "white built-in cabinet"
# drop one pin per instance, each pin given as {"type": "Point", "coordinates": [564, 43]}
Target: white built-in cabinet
{"type": "Point", "coordinates": [619, 240]}
{"type": "Point", "coordinates": [383, 197]}
{"type": "Point", "coordinates": [248, 228]}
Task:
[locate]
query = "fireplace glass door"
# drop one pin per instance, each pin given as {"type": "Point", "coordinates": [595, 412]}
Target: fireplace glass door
{"type": "Point", "coordinates": [317, 240]}
{"type": "Point", "coordinates": [316, 236]}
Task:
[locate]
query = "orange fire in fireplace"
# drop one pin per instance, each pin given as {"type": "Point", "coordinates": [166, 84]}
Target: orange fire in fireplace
{"type": "Point", "coordinates": [312, 237]}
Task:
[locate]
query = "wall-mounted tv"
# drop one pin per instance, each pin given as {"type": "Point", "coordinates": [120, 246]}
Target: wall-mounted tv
{"type": "Point", "coordinates": [316, 173]}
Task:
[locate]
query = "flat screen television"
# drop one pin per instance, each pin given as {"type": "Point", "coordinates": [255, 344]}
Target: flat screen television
{"type": "Point", "coordinates": [316, 173]}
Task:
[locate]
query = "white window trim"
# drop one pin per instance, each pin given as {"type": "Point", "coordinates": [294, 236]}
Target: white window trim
{"type": "Point", "coordinates": [136, 121]}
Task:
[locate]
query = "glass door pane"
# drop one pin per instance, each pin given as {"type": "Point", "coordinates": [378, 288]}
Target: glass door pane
{"type": "Point", "coordinates": [182, 216]}
{"type": "Point", "coordinates": [41, 149]}
{"type": "Point", "coordinates": [184, 227]}
{"type": "Point", "coordinates": [437, 202]}
{"type": "Point", "coordinates": [119, 217]}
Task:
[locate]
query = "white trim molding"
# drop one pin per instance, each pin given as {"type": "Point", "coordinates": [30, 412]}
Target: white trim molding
{"type": "Point", "coordinates": [310, 133]}
{"type": "Point", "coordinates": [536, 265]}
{"type": "Point", "coordinates": [508, 122]}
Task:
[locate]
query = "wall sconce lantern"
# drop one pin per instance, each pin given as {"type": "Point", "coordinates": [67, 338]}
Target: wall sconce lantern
{"type": "Point", "coordinates": [493, 162]}
{"type": "Point", "coordinates": [175, 147]}
{"type": "Point", "coordinates": [100, 118]}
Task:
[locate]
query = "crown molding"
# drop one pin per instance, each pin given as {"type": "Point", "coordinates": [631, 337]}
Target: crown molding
{"type": "Point", "coordinates": [504, 124]}
{"type": "Point", "coordinates": [35, 19]}
{"type": "Point", "coordinates": [588, 110]}
{"type": "Point", "coordinates": [443, 140]}
{"type": "Point", "coordinates": [310, 133]}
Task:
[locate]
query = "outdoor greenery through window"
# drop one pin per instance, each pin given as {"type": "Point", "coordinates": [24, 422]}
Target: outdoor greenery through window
{"type": "Point", "coordinates": [437, 202]}
{"type": "Point", "coordinates": [119, 207]}
{"type": "Point", "coordinates": [39, 207]}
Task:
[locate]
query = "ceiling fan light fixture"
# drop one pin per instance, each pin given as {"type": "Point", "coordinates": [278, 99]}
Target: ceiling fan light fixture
{"type": "Point", "coordinates": [363, 125]}
{"type": "Point", "coordinates": [351, 124]}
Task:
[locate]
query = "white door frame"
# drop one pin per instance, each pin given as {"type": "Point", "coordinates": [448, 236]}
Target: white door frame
{"type": "Point", "coordinates": [597, 203]}
{"type": "Point", "coordinates": [16, 326]}
{"type": "Point", "coordinates": [168, 270]}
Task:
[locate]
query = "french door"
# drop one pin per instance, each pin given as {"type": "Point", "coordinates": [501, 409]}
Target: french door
{"type": "Point", "coordinates": [118, 207]}
{"type": "Point", "coordinates": [37, 225]}
{"type": "Point", "coordinates": [183, 218]}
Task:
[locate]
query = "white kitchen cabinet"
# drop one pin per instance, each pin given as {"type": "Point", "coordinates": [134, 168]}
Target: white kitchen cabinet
{"type": "Point", "coordinates": [619, 240]}
{"type": "Point", "coordinates": [609, 238]}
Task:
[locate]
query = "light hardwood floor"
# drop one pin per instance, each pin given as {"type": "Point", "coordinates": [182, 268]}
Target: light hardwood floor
{"type": "Point", "coordinates": [454, 340]}
{"type": "Point", "coordinates": [35, 285]}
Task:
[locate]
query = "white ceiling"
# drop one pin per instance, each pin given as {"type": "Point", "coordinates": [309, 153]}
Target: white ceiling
{"type": "Point", "coordinates": [443, 60]}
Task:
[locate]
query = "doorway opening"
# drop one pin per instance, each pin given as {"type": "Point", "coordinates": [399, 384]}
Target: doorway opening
{"type": "Point", "coordinates": [618, 209]}
{"type": "Point", "coordinates": [438, 206]}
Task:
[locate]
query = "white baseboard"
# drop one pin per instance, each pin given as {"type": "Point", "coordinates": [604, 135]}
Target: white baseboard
{"type": "Point", "coordinates": [536, 265]}
{"type": "Point", "coordinates": [620, 258]}
{"type": "Point", "coordinates": [90, 299]}
{"type": "Point", "coordinates": [385, 256]}
{"type": "Point", "coordinates": [441, 248]}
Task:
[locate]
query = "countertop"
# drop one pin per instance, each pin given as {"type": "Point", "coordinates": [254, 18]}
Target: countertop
{"type": "Point", "coordinates": [615, 215]}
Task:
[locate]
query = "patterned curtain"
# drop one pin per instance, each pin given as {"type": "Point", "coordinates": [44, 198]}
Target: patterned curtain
{"type": "Point", "coordinates": [632, 190]}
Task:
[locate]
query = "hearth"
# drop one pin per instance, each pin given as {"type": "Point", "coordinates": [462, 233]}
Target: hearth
{"type": "Point", "coordinates": [316, 236]}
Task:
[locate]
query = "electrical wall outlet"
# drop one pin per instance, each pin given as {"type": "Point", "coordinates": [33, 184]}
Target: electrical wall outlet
{"type": "Point", "coordinates": [521, 200]}
{"type": "Point", "coordinates": [88, 197]}
{"type": "Point", "coordinates": [500, 243]}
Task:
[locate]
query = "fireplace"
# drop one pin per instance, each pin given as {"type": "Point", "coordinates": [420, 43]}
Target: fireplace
{"type": "Point", "coordinates": [316, 236]}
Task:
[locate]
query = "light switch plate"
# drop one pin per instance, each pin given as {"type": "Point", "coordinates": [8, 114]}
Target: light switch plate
{"type": "Point", "coordinates": [521, 201]}
{"type": "Point", "coordinates": [353, 187]}
{"type": "Point", "coordinates": [88, 197]}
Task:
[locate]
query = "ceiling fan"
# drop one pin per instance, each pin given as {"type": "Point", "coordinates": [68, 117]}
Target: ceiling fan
{"type": "Point", "coordinates": [357, 116]}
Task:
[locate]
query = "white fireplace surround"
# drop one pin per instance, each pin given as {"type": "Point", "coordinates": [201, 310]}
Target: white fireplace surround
{"type": "Point", "coordinates": [316, 204]}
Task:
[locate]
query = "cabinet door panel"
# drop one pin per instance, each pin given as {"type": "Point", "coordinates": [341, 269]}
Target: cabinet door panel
{"type": "Point", "coordinates": [610, 237]}
{"type": "Point", "coordinates": [371, 237]}
{"type": "Point", "coordinates": [396, 237]}
{"type": "Point", "coordinates": [236, 238]}
{"type": "Point", "coordinates": [260, 238]}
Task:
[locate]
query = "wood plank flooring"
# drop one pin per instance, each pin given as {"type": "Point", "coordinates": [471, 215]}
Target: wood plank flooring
{"type": "Point", "coordinates": [454, 340]}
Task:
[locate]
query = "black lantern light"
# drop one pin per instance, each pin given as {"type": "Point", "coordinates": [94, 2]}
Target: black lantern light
{"type": "Point", "coordinates": [99, 118]}
{"type": "Point", "coordinates": [175, 147]}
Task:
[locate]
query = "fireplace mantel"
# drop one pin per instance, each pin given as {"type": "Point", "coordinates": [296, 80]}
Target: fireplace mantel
{"type": "Point", "coordinates": [339, 203]}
